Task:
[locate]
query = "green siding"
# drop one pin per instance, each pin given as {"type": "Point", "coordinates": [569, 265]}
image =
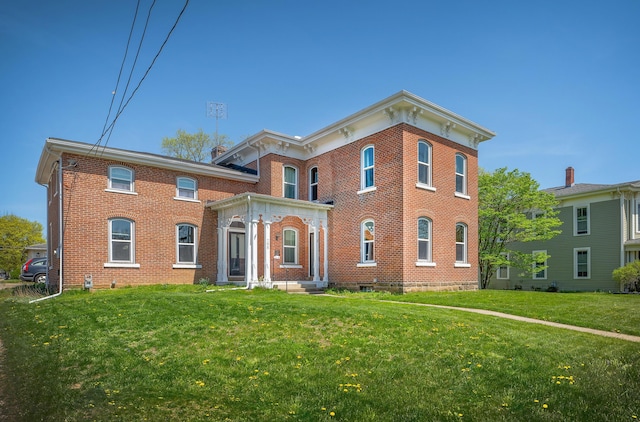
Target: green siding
{"type": "Point", "coordinates": [603, 239]}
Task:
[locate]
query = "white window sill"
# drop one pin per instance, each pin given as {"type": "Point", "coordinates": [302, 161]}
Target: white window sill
{"type": "Point", "coordinates": [367, 190]}
{"type": "Point", "coordinates": [582, 278]}
{"type": "Point", "coordinates": [461, 195]}
{"type": "Point", "coordinates": [290, 266]}
{"type": "Point", "coordinates": [425, 264]}
{"type": "Point", "coordinates": [126, 192]}
{"type": "Point", "coordinates": [191, 266]}
{"type": "Point", "coordinates": [580, 234]}
{"type": "Point", "coordinates": [120, 265]}
{"type": "Point", "coordinates": [366, 264]}
{"type": "Point", "coordinates": [425, 187]}
{"type": "Point", "coordinates": [179, 198]}
{"type": "Point", "coordinates": [461, 265]}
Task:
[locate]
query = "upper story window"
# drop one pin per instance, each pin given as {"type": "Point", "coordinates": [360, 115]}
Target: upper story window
{"type": "Point", "coordinates": [186, 187]}
{"type": "Point", "coordinates": [313, 184]}
{"type": "Point", "coordinates": [581, 220]}
{"type": "Point", "coordinates": [424, 163]}
{"type": "Point", "coordinates": [367, 168]}
{"type": "Point", "coordinates": [186, 239]}
{"type": "Point", "coordinates": [539, 265]}
{"type": "Point", "coordinates": [290, 246]}
{"type": "Point", "coordinates": [121, 240]}
{"type": "Point", "coordinates": [290, 182]}
{"type": "Point", "coordinates": [461, 174]}
{"type": "Point", "coordinates": [121, 178]}
{"type": "Point", "coordinates": [502, 272]}
{"type": "Point", "coordinates": [367, 241]}
{"type": "Point", "coordinates": [581, 263]}
{"type": "Point", "coordinates": [461, 243]}
{"type": "Point", "coordinates": [424, 239]}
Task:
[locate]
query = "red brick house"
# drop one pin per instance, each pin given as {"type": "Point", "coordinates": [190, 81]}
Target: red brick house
{"type": "Point", "coordinates": [384, 199]}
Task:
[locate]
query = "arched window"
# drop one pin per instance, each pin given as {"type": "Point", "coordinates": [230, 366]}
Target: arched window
{"type": "Point", "coordinates": [424, 239]}
{"type": "Point", "coordinates": [120, 178]}
{"type": "Point", "coordinates": [461, 174]}
{"type": "Point", "coordinates": [367, 244]}
{"type": "Point", "coordinates": [313, 184]}
{"type": "Point", "coordinates": [121, 240]}
{"type": "Point", "coordinates": [186, 187]}
{"type": "Point", "coordinates": [290, 246]}
{"type": "Point", "coordinates": [424, 163]}
{"type": "Point", "coordinates": [290, 182]}
{"type": "Point", "coordinates": [186, 240]}
{"type": "Point", "coordinates": [461, 243]}
{"type": "Point", "coordinates": [367, 166]}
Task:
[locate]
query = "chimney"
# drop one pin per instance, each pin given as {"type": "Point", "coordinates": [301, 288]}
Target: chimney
{"type": "Point", "coordinates": [218, 151]}
{"type": "Point", "coordinates": [569, 179]}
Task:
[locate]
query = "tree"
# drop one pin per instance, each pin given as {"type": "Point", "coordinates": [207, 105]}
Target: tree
{"type": "Point", "coordinates": [194, 147]}
{"type": "Point", "coordinates": [628, 276]}
{"type": "Point", "coordinates": [15, 235]}
{"type": "Point", "coordinates": [512, 209]}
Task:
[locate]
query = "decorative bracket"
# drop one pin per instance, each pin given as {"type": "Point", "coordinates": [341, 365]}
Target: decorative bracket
{"type": "Point", "coordinates": [347, 132]}
{"type": "Point", "coordinates": [237, 156]}
{"type": "Point", "coordinates": [391, 113]}
{"type": "Point", "coordinates": [475, 139]}
{"type": "Point", "coordinates": [445, 128]}
{"type": "Point", "coordinates": [412, 115]}
{"type": "Point", "coordinates": [283, 146]}
{"type": "Point", "coordinates": [310, 148]}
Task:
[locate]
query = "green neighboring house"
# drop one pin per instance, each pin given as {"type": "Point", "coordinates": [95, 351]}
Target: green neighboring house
{"type": "Point", "coordinates": [600, 232]}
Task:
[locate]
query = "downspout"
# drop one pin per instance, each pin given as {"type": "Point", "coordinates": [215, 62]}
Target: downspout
{"type": "Point", "coordinates": [60, 234]}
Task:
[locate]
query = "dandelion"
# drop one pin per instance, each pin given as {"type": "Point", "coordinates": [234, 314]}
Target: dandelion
{"type": "Point", "coordinates": [332, 414]}
{"type": "Point", "coordinates": [200, 383]}
{"type": "Point", "coordinates": [323, 409]}
{"type": "Point", "coordinates": [206, 361]}
{"type": "Point", "coordinates": [545, 406]}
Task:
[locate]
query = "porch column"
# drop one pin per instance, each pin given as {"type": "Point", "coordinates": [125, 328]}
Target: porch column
{"type": "Point", "coordinates": [223, 235]}
{"type": "Point", "coordinates": [248, 255]}
{"type": "Point", "coordinates": [316, 250]}
{"type": "Point", "coordinates": [220, 255]}
{"type": "Point", "coordinates": [254, 252]}
{"type": "Point", "coordinates": [267, 252]}
{"type": "Point", "coordinates": [325, 277]}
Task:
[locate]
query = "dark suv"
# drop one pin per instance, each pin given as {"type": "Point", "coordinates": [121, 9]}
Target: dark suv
{"type": "Point", "coordinates": [34, 269]}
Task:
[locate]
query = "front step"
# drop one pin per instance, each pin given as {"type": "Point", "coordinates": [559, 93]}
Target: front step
{"type": "Point", "coordinates": [297, 287]}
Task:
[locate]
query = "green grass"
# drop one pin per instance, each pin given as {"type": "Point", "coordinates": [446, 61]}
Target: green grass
{"type": "Point", "coordinates": [177, 353]}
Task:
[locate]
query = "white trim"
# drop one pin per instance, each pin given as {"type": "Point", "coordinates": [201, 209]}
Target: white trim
{"type": "Point", "coordinates": [464, 174]}
{"type": "Point", "coordinates": [575, 263]}
{"type": "Point", "coordinates": [464, 243]}
{"type": "Point", "coordinates": [194, 190]}
{"type": "Point", "coordinates": [285, 183]}
{"type": "Point", "coordinates": [312, 184]}
{"type": "Point", "coordinates": [191, 266]}
{"type": "Point", "coordinates": [533, 266]}
{"type": "Point", "coordinates": [364, 169]}
{"type": "Point", "coordinates": [425, 187]}
{"type": "Point", "coordinates": [290, 266]}
{"type": "Point", "coordinates": [425, 264]}
{"type": "Point", "coordinates": [126, 192]}
{"type": "Point", "coordinates": [366, 264]}
{"type": "Point", "coordinates": [367, 190]}
{"type": "Point", "coordinates": [120, 265]}
{"type": "Point", "coordinates": [461, 195]}
{"type": "Point", "coordinates": [461, 265]}
{"type": "Point", "coordinates": [427, 164]}
{"type": "Point", "coordinates": [508, 269]}
{"type": "Point", "coordinates": [575, 219]}
{"type": "Point", "coordinates": [194, 244]}
{"type": "Point", "coordinates": [132, 178]}
{"type": "Point", "coordinates": [179, 198]}
{"type": "Point", "coordinates": [295, 248]}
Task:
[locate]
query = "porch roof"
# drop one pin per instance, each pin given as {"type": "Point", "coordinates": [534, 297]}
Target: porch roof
{"type": "Point", "coordinates": [249, 197]}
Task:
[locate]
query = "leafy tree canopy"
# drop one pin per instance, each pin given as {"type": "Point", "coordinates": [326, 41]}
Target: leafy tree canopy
{"type": "Point", "coordinates": [16, 234]}
{"type": "Point", "coordinates": [194, 146]}
{"type": "Point", "coordinates": [512, 208]}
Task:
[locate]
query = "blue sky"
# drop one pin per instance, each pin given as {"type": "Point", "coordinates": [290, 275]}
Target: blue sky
{"type": "Point", "coordinates": [557, 80]}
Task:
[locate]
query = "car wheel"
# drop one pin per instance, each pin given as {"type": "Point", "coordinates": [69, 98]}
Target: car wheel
{"type": "Point", "coordinates": [40, 278]}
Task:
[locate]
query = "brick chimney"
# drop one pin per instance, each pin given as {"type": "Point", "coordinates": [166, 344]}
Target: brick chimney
{"type": "Point", "coordinates": [217, 151]}
{"type": "Point", "coordinates": [569, 179]}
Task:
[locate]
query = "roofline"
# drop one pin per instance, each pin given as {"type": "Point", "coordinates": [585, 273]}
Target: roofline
{"type": "Point", "coordinates": [55, 147]}
{"type": "Point", "coordinates": [626, 186]}
{"type": "Point", "coordinates": [297, 203]}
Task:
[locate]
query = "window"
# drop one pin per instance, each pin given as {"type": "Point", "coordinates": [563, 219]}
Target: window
{"type": "Point", "coordinates": [424, 163]}
{"type": "Point", "coordinates": [290, 246]}
{"type": "Point", "coordinates": [581, 263]}
{"type": "Point", "coordinates": [290, 182]}
{"type": "Point", "coordinates": [581, 218]}
{"type": "Point", "coordinates": [186, 188]}
{"type": "Point", "coordinates": [502, 273]}
{"type": "Point", "coordinates": [368, 164]}
{"type": "Point", "coordinates": [461, 243]}
{"type": "Point", "coordinates": [424, 239]}
{"type": "Point", "coordinates": [368, 241]}
{"type": "Point", "coordinates": [638, 217]}
{"type": "Point", "coordinates": [121, 245]}
{"type": "Point", "coordinates": [540, 265]}
{"type": "Point", "coordinates": [121, 178]}
{"type": "Point", "coordinates": [186, 243]}
{"type": "Point", "coordinates": [313, 184]}
{"type": "Point", "coordinates": [461, 174]}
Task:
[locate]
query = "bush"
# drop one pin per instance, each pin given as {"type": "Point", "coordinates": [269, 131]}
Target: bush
{"type": "Point", "coordinates": [628, 277]}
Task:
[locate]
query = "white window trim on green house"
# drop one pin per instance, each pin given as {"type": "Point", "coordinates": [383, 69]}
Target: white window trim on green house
{"type": "Point", "coordinates": [577, 218]}
{"type": "Point", "coordinates": [502, 272]}
{"type": "Point", "coordinates": [576, 264]}
{"type": "Point", "coordinates": [536, 274]}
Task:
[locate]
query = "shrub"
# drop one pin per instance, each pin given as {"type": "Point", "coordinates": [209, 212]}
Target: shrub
{"type": "Point", "coordinates": [628, 277]}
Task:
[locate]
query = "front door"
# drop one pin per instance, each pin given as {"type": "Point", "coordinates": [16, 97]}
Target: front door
{"type": "Point", "coordinates": [236, 254]}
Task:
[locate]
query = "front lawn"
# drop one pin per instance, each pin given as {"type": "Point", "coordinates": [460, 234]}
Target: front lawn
{"type": "Point", "coordinates": [177, 353]}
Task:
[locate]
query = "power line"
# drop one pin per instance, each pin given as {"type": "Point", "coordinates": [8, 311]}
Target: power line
{"type": "Point", "coordinates": [123, 106]}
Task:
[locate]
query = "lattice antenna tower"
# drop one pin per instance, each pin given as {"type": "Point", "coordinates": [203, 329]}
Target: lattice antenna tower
{"type": "Point", "coordinates": [219, 112]}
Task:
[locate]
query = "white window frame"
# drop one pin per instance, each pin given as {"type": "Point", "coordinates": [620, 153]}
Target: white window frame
{"type": "Point", "coordinates": [364, 187]}
{"type": "Point", "coordinates": [575, 219]}
{"type": "Point", "coordinates": [131, 241]}
{"type": "Point", "coordinates": [464, 244]}
{"type": "Point", "coordinates": [285, 183]}
{"type": "Point", "coordinates": [637, 215]}
{"type": "Point", "coordinates": [131, 180]}
{"type": "Point", "coordinates": [428, 261]}
{"type": "Point", "coordinates": [286, 247]}
{"type": "Point", "coordinates": [575, 263]}
{"type": "Point", "coordinates": [313, 183]}
{"type": "Point", "coordinates": [535, 274]}
{"type": "Point", "coordinates": [194, 245]}
{"type": "Point", "coordinates": [180, 190]}
{"type": "Point", "coordinates": [463, 176]}
{"type": "Point", "coordinates": [364, 259]}
{"type": "Point", "coordinates": [429, 182]}
{"type": "Point", "coordinates": [506, 269]}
